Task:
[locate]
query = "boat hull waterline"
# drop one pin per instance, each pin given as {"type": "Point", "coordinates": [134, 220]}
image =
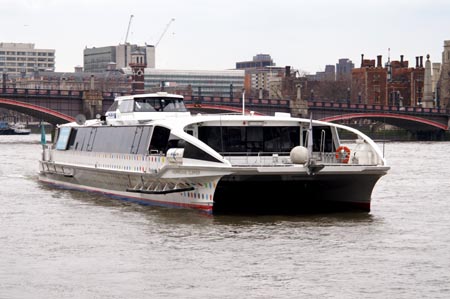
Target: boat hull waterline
{"type": "Point", "coordinates": [233, 193]}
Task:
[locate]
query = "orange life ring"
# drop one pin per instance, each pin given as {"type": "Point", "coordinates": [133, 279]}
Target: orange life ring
{"type": "Point", "coordinates": [343, 154]}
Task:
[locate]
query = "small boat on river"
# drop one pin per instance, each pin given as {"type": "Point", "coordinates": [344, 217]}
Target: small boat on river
{"type": "Point", "coordinates": [150, 149]}
{"type": "Point", "coordinates": [14, 129]}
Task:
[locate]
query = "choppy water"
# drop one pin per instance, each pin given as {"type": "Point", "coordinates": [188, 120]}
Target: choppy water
{"type": "Point", "coordinates": [68, 244]}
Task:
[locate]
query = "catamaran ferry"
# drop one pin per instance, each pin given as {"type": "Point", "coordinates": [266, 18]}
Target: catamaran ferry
{"type": "Point", "coordinates": [150, 149]}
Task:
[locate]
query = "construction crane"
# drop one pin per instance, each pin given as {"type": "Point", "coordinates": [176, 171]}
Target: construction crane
{"type": "Point", "coordinates": [128, 29]}
{"type": "Point", "coordinates": [164, 32]}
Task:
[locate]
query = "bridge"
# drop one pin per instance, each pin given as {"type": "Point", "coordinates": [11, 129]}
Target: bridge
{"type": "Point", "coordinates": [409, 118]}
{"type": "Point", "coordinates": [61, 106]}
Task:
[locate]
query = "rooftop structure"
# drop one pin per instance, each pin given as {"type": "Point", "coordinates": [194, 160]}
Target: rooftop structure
{"type": "Point", "coordinates": [259, 61]}
{"type": "Point", "coordinates": [97, 59]}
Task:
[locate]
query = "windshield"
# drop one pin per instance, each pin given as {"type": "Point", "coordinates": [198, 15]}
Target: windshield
{"type": "Point", "coordinates": [159, 104]}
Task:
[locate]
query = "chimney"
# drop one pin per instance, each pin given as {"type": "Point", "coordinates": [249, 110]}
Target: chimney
{"type": "Point", "coordinates": [362, 60]}
{"type": "Point", "coordinates": [379, 61]}
{"type": "Point", "coordinates": [421, 61]}
{"type": "Point", "coordinates": [417, 61]}
{"type": "Point", "coordinates": [92, 81]}
{"type": "Point", "coordinates": [401, 60]}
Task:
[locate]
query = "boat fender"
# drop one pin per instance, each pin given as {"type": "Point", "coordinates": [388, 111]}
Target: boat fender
{"type": "Point", "coordinates": [299, 155]}
{"type": "Point", "coordinates": [343, 154]}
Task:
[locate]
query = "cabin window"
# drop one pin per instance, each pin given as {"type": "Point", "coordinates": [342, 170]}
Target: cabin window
{"type": "Point", "coordinates": [211, 136]}
{"type": "Point", "coordinates": [255, 140]}
{"type": "Point", "coordinates": [250, 139]}
{"type": "Point", "coordinates": [105, 140]}
{"type": "Point", "coordinates": [322, 139]}
{"type": "Point", "coordinates": [140, 106]}
{"type": "Point", "coordinates": [63, 138]}
{"type": "Point", "coordinates": [81, 139]}
{"type": "Point", "coordinates": [159, 104]}
{"type": "Point", "coordinates": [73, 136]}
{"type": "Point", "coordinates": [130, 139]}
{"type": "Point", "coordinates": [141, 146]}
{"type": "Point", "coordinates": [193, 152]}
{"type": "Point", "coordinates": [114, 106]}
{"type": "Point", "coordinates": [234, 140]}
{"type": "Point", "coordinates": [281, 139]}
{"type": "Point", "coordinates": [160, 139]}
{"type": "Point", "coordinates": [126, 106]}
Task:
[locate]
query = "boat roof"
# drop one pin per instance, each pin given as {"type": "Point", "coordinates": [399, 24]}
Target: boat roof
{"type": "Point", "coordinates": [149, 95]}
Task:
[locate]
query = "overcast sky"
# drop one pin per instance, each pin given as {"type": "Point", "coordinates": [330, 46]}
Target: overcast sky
{"type": "Point", "coordinates": [215, 34]}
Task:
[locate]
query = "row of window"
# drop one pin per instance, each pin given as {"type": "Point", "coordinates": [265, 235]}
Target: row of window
{"type": "Point", "coordinates": [27, 64]}
{"type": "Point", "coordinates": [129, 140]}
{"type": "Point", "coordinates": [148, 140]}
{"type": "Point", "coordinates": [27, 53]}
{"type": "Point", "coordinates": [2, 58]}
{"type": "Point", "coordinates": [152, 104]}
{"type": "Point", "coordinates": [250, 139]}
{"type": "Point", "coordinates": [125, 140]}
{"type": "Point", "coordinates": [263, 139]}
{"type": "Point", "coordinates": [15, 70]}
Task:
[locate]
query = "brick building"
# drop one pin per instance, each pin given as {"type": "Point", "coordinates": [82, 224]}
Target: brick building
{"type": "Point", "coordinates": [393, 84]}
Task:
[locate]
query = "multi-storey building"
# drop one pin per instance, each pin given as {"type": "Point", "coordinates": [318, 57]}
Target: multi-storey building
{"type": "Point", "coordinates": [393, 84]}
{"type": "Point", "coordinates": [97, 59]}
{"type": "Point", "coordinates": [344, 69]}
{"type": "Point", "coordinates": [262, 77]}
{"type": "Point", "coordinates": [328, 75]}
{"type": "Point", "coordinates": [201, 83]}
{"type": "Point", "coordinates": [266, 81]}
{"type": "Point", "coordinates": [20, 58]}
{"type": "Point", "coordinates": [369, 83]}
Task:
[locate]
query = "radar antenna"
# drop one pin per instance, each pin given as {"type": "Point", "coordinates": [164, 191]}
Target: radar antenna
{"type": "Point", "coordinates": [80, 119]}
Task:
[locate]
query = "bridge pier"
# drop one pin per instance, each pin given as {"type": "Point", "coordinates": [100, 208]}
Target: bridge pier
{"type": "Point", "coordinates": [92, 103]}
{"type": "Point", "coordinates": [298, 107]}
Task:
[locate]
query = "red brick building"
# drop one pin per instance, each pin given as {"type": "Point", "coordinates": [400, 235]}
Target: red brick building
{"type": "Point", "coordinates": [392, 84]}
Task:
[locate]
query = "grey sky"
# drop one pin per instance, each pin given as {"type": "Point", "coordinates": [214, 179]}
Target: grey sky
{"type": "Point", "coordinates": [216, 34]}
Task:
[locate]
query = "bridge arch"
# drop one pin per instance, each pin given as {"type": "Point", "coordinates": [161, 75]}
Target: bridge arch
{"type": "Point", "coordinates": [48, 115]}
{"type": "Point", "coordinates": [399, 120]}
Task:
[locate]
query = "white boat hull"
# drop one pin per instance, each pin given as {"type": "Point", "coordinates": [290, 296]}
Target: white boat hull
{"type": "Point", "coordinates": [245, 190]}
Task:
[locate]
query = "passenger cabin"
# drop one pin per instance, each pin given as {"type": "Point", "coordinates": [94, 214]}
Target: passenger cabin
{"type": "Point", "coordinates": [142, 125]}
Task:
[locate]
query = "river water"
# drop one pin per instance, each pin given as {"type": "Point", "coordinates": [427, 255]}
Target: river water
{"type": "Point", "coordinates": [70, 244]}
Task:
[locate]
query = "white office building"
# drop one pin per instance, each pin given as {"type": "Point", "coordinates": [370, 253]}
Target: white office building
{"type": "Point", "coordinates": [17, 58]}
{"type": "Point", "coordinates": [98, 59]}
